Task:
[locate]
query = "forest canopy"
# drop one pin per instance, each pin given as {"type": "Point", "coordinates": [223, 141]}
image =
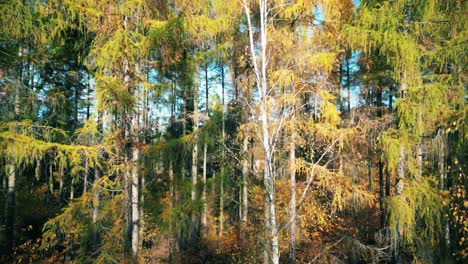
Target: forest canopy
{"type": "Point", "coordinates": [233, 131]}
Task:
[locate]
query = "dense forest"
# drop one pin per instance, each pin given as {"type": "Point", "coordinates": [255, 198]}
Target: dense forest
{"type": "Point", "coordinates": [233, 131]}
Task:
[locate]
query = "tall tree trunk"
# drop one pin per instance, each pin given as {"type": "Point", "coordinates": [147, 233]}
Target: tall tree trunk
{"type": "Point", "coordinates": [381, 194]}
{"type": "Point", "coordinates": [245, 194]}
{"type": "Point", "coordinates": [97, 188]}
{"type": "Point", "coordinates": [369, 160]}
{"type": "Point", "coordinates": [348, 82]}
{"type": "Point", "coordinates": [267, 259]}
{"type": "Point", "coordinates": [174, 242]}
{"type": "Point", "coordinates": [10, 209]}
{"type": "Point", "coordinates": [205, 154]}
{"type": "Point", "coordinates": [221, 207]}
{"type": "Point", "coordinates": [223, 156]}
{"type": "Point", "coordinates": [400, 178]}
{"type": "Point", "coordinates": [381, 165]}
{"type": "Point", "coordinates": [11, 201]}
{"type": "Point", "coordinates": [399, 190]}
{"type": "Point", "coordinates": [127, 122]}
{"type": "Point", "coordinates": [195, 153]}
{"type": "Point", "coordinates": [292, 204]}
{"type": "Point", "coordinates": [183, 168]}
{"type": "Point", "coordinates": [76, 101]}
{"type": "Point", "coordinates": [441, 164]}
{"type": "Point", "coordinates": [272, 249]}
{"type": "Point", "coordinates": [88, 97]}
{"type": "Point", "coordinates": [135, 199]}
{"type": "Point", "coordinates": [205, 204]}
{"type": "Point", "coordinates": [96, 203]}
{"type": "Point", "coordinates": [173, 99]}
{"type": "Point", "coordinates": [420, 144]}
{"type": "Point", "coordinates": [132, 156]}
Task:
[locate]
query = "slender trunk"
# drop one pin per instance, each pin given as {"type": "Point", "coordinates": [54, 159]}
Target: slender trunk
{"type": "Point", "coordinates": [340, 97]}
{"type": "Point", "coordinates": [420, 146]}
{"type": "Point", "coordinates": [267, 243]}
{"type": "Point", "coordinates": [205, 205]}
{"type": "Point", "coordinates": [88, 97]}
{"type": "Point", "coordinates": [195, 144]}
{"type": "Point", "coordinates": [10, 210]}
{"type": "Point", "coordinates": [269, 163]}
{"type": "Point", "coordinates": [399, 190]}
{"type": "Point", "coordinates": [441, 166]}
{"type": "Point", "coordinates": [315, 106]}
{"type": "Point", "coordinates": [135, 217]}
{"type": "Point", "coordinates": [4, 183]}
{"type": "Point", "coordinates": [10, 201]}
{"type": "Point", "coordinates": [60, 174]}
{"type": "Point", "coordinates": [173, 99]}
{"type": "Point", "coordinates": [340, 166]}
{"type": "Point", "coordinates": [127, 159]}
{"type": "Point", "coordinates": [141, 212]}
{"type": "Point", "coordinates": [420, 157]}
{"type": "Point", "coordinates": [96, 202]}
{"type": "Point", "coordinates": [207, 91]}
{"type": "Point", "coordinates": [292, 205]}
{"type": "Point", "coordinates": [205, 154]}
{"type": "Point", "coordinates": [195, 154]}
{"type": "Point", "coordinates": [96, 188]}
{"type": "Point", "coordinates": [183, 168]}
{"type": "Point", "coordinates": [348, 83]}
{"type": "Point", "coordinates": [128, 197]}
{"type": "Point", "coordinates": [270, 183]}
{"type": "Point", "coordinates": [245, 174]}
{"type": "Point", "coordinates": [72, 188]}
{"type": "Point", "coordinates": [77, 99]}
{"type": "Point", "coordinates": [19, 85]}
{"type": "Point", "coordinates": [144, 116]}
{"type": "Point", "coordinates": [369, 161]}
{"type": "Point", "coordinates": [51, 180]}
{"type": "Point", "coordinates": [221, 206]}
{"type": "Point", "coordinates": [221, 178]}
{"type": "Point", "coordinates": [174, 242]}
{"type": "Point", "coordinates": [381, 194]}
{"type": "Point", "coordinates": [86, 173]}
{"type": "Point", "coordinates": [400, 178]}
{"type": "Point", "coordinates": [260, 69]}
{"type": "Point", "coordinates": [443, 186]}
{"type": "Point", "coordinates": [381, 165]}
{"type": "Point", "coordinates": [135, 174]}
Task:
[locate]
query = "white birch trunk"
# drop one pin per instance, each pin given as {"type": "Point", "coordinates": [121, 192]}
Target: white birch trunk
{"type": "Point", "coordinates": [135, 200]}
{"type": "Point", "coordinates": [272, 249]}
{"type": "Point", "coordinates": [292, 204]}
{"type": "Point", "coordinates": [194, 155]}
